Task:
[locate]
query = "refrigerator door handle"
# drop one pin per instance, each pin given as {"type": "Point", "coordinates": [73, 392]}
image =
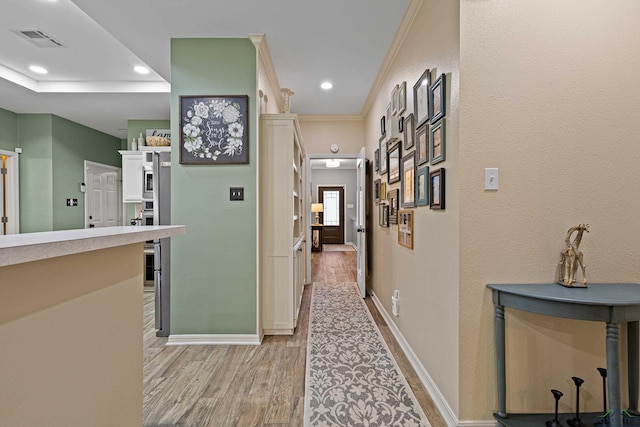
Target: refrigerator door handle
{"type": "Point", "coordinates": [157, 278]}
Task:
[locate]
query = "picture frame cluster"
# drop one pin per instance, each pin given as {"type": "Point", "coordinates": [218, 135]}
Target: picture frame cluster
{"type": "Point", "coordinates": [412, 141]}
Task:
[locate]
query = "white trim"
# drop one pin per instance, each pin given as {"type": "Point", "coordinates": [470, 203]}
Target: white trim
{"type": "Point", "coordinates": [392, 52]}
{"type": "Point", "coordinates": [478, 423]}
{"type": "Point", "coordinates": [213, 339]}
{"type": "Point", "coordinates": [259, 40]}
{"type": "Point", "coordinates": [13, 190]}
{"type": "Point", "coordinates": [428, 383]}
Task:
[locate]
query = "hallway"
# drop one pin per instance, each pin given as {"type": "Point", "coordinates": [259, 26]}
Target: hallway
{"type": "Point", "coordinates": [248, 385]}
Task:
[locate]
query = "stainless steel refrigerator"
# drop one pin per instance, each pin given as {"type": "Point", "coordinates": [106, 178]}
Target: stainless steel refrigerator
{"type": "Point", "coordinates": [162, 247]}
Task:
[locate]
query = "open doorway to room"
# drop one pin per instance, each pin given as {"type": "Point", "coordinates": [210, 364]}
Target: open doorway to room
{"type": "Point", "coordinates": [333, 183]}
{"type": "Point", "coordinates": [9, 193]}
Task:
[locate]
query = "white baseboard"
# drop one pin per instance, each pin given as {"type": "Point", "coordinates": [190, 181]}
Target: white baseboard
{"type": "Point", "coordinates": [213, 339]}
{"type": "Point", "coordinates": [438, 399]}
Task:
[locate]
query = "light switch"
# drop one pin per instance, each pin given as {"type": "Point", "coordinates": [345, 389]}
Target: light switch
{"type": "Point", "coordinates": [490, 178]}
{"type": "Point", "coordinates": [236, 193]}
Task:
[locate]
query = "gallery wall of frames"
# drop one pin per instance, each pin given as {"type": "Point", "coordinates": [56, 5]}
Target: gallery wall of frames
{"type": "Point", "coordinates": [412, 140]}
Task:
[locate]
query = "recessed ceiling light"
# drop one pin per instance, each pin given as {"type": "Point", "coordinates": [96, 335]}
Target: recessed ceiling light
{"type": "Point", "coordinates": [38, 69]}
{"type": "Point", "coordinates": [140, 69]}
{"type": "Point", "coordinates": [326, 85]}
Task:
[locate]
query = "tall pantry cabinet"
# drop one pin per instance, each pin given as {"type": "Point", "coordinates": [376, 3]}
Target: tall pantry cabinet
{"type": "Point", "coordinates": [282, 222]}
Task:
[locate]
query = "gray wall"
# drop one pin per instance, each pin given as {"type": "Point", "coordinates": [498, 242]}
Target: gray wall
{"type": "Point", "coordinates": [347, 178]}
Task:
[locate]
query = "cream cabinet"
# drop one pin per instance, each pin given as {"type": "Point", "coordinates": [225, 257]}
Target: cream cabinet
{"type": "Point", "coordinates": [131, 176]}
{"type": "Point", "coordinates": [282, 222]}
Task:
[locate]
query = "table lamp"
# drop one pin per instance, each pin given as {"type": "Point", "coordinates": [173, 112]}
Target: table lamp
{"type": "Point", "coordinates": [317, 208]}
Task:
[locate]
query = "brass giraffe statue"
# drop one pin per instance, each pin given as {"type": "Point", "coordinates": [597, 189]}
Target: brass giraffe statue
{"type": "Point", "coordinates": [572, 258]}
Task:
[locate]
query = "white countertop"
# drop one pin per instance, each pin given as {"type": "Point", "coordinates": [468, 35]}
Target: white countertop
{"type": "Point", "coordinates": [19, 248]}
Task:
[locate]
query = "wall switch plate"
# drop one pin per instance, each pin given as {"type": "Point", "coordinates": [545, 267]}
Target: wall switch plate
{"type": "Point", "coordinates": [236, 193]}
{"type": "Point", "coordinates": [490, 178]}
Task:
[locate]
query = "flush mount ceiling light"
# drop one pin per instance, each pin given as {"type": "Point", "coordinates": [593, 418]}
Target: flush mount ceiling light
{"type": "Point", "coordinates": [140, 69]}
{"type": "Point", "coordinates": [38, 69]}
{"type": "Point", "coordinates": [333, 163]}
{"type": "Point", "coordinates": [326, 85]}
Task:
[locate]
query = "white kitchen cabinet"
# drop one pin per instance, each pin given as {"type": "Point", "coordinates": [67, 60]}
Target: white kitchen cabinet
{"type": "Point", "coordinates": [282, 222]}
{"type": "Point", "coordinates": [131, 176]}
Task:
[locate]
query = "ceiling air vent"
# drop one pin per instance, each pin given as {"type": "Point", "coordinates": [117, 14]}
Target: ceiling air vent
{"type": "Point", "coordinates": [38, 38]}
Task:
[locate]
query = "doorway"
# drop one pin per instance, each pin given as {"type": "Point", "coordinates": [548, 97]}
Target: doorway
{"type": "Point", "coordinates": [102, 201]}
{"type": "Point", "coordinates": [332, 216]}
{"type": "Point", "coordinates": [9, 198]}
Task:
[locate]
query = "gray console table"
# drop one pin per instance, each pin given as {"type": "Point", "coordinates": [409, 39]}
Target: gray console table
{"type": "Point", "coordinates": [613, 303]}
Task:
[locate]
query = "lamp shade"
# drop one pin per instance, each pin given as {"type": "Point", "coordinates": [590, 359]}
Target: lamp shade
{"type": "Point", "coordinates": [316, 207]}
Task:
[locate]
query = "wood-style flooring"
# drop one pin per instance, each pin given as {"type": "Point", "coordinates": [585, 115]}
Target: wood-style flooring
{"type": "Point", "coordinates": [245, 386]}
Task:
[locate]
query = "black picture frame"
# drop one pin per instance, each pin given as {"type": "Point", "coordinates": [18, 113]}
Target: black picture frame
{"type": "Point", "coordinates": [383, 155]}
{"type": "Point", "coordinates": [376, 190]}
{"type": "Point", "coordinates": [421, 98]}
{"type": "Point", "coordinates": [409, 132]}
{"type": "Point", "coordinates": [383, 127]}
{"type": "Point", "coordinates": [376, 159]}
{"type": "Point", "coordinates": [393, 163]}
{"type": "Point", "coordinates": [422, 144]}
{"type": "Point", "coordinates": [383, 215]}
{"type": "Point", "coordinates": [437, 189]}
{"type": "Point", "coordinates": [437, 146]}
{"type": "Point", "coordinates": [407, 184]}
{"type": "Point", "coordinates": [437, 100]}
{"type": "Point", "coordinates": [214, 130]}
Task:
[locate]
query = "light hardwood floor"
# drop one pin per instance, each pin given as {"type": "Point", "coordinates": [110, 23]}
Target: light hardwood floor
{"type": "Point", "coordinates": [244, 386]}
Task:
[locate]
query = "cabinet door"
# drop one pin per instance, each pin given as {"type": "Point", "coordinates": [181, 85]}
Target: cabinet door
{"type": "Point", "coordinates": [132, 178]}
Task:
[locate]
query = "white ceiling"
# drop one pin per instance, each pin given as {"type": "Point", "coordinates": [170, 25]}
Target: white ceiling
{"type": "Point", "coordinates": [91, 79]}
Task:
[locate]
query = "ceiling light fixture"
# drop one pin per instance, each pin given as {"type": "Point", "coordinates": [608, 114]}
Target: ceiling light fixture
{"type": "Point", "coordinates": [140, 69]}
{"type": "Point", "coordinates": [38, 69]}
{"type": "Point", "coordinates": [326, 85]}
{"type": "Point", "coordinates": [333, 163]}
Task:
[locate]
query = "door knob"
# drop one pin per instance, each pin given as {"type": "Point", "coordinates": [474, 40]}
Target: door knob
{"type": "Point", "coordinates": [91, 226]}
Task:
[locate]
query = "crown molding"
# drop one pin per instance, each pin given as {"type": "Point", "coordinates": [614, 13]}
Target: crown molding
{"type": "Point", "coordinates": [392, 53]}
{"type": "Point", "coordinates": [330, 117]}
{"type": "Point", "coordinates": [264, 56]}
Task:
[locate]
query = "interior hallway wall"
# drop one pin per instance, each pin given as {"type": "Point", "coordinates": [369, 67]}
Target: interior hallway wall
{"type": "Point", "coordinates": [549, 95]}
{"type": "Point", "coordinates": [319, 132]}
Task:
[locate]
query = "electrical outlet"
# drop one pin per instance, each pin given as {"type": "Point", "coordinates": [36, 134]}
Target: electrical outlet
{"type": "Point", "coordinates": [236, 193]}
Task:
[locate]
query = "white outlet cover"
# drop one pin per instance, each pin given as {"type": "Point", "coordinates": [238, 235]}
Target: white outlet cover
{"type": "Point", "coordinates": [490, 178]}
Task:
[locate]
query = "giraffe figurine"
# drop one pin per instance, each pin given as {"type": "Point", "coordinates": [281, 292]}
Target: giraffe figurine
{"type": "Point", "coordinates": [571, 258]}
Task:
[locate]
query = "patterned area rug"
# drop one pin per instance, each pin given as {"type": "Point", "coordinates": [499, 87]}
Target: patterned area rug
{"type": "Point", "coordinates": [352, 379]}
{"type": "Point", "coordinates": [338, 248]}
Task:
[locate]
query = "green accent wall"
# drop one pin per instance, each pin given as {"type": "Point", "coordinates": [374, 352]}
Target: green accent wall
{"type": "Point", "coordinates": [213, 266]}
{"type": "Point", "coordinates": [135, 127]}
{"type": "Point", "coordinates": [8, 130]}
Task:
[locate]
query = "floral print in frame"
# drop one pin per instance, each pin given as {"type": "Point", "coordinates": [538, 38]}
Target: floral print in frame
{"type": "Point", "coordinates": [214, 130]}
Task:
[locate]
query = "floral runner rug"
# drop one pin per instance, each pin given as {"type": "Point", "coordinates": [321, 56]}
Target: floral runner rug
{"type": "Point", "coordinates": [352, 379]}
{"type": "Point", "coordinates": [338, 248]}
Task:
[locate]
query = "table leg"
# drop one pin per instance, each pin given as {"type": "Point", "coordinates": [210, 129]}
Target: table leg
{"type": "Point", "coordinates": [632, 357]}
{"type": "Point", "coordinates": [500, 362]}
{"type": "Point", "coordinates": [613, 373]}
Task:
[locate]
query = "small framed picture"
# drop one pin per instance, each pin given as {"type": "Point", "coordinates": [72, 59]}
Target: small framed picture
{"type": "Point", "coordinates": [402, 98]}
{"type": "Point", "coordinates": [383, 215]}
{"type": "Point", "coordinates": [376, 160]}
{"type": "Point", "coordinates": [437, 142]}
{"type": "Point", "coordinates": [422, 144]}
{"type": "Point", "coordinates": [383, 191]}
{"type": "Point", "coordinates": [422, 187]}
{"type": "Point", "coordinates": [436, 97]}
{"type": "Point", "coordinates": [383, 155]}
{"type": "Point", "coordinates": [389, 125]}
{"type": "Point", "coordinates": [392, 198]}
{"type": "Point", "coordinates": [421, 98]}
{"type": "Point", "coordinates": [394, 100]}
{"type": "Point", "coordinates": [376, 190]}
{"type": "Point", "coordinates": [383, 126]}
{"type": "Point", "coordinates": [408, 180]}
{"type": "Point", "coordinates": [405, 228]}
{"type": "Point", "coordinates": [436, 189]}
{"type": "Point", "coordinates": [409, 132]}
{"type": "Point", "coordinates": [393, 161]}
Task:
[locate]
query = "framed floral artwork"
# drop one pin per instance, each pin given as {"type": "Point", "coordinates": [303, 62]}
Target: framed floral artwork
{"type": "Point", "coordinates": [436, 189]}
{"type": "Point", "coordinates": [436, 99]}
{"type": "Point", "coordinates": [436, 142]}
{"type": "Point", "coordinates": [214, 130]}
{"type": "Point", "coordinates": [421, 98]}
{"type": "Point", "coordinates": [422, 144]}
{"type": "Point", "coordinates": [422, 187]}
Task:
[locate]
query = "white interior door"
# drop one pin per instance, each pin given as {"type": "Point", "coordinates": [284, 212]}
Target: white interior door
{"type": "Point", "coordinates": [102, 197]}
{"type": "Point", "coordinates": [9, 200]}
{"type": "Point", "coordinates": [361, 182]}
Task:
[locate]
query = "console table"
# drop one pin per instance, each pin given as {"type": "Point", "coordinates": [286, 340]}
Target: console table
{"type": "Point", "coordinates": [612, 303]}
